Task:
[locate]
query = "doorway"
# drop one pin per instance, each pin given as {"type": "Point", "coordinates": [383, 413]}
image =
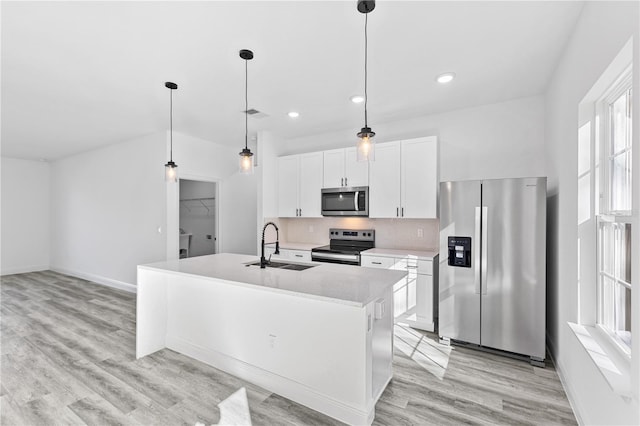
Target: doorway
{"type": "Point", "coordinates": [198, 215]}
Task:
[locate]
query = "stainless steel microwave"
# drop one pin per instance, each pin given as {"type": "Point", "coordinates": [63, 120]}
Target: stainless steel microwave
{"type": "Point", "coordinates": [345, 201]}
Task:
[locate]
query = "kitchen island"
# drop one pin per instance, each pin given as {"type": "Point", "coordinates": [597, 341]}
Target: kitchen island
{"type": "Point", "coordinates": [322, 337]}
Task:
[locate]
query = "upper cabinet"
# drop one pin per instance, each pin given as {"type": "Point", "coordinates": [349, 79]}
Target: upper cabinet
{"type": "Point", "coordinates": [341, 169]}
{"type": "Point", "coordinates": [403, 181]}
{"type": "Point", "coordinates": [299, 185]}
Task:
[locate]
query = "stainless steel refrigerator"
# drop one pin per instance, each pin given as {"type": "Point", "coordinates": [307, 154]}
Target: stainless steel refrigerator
{"type": "Point", "coordinates": [492, 264]}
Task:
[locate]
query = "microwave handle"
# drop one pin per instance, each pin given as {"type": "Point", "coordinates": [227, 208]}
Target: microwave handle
{"type": "Point", "coordinates": [355, 201]}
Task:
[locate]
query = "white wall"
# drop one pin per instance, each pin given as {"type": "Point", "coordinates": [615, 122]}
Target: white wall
{"type": "Point", "coordinates": [239, 212]}
{"type": "Point", "coordinates": [107, 206]}
{"type": "Point", "coordinates": [198, 159]}
{"type": "Point", "coordinates": [491, 141]}
{"type": "Point", "coordinates": [112, 210]}
{"type": "Point", "coordinates": [25, 216]}
{"type": "Point", "coordinates": [601, 32]}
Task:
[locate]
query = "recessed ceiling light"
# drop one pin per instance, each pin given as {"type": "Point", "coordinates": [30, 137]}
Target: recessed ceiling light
{"type": "Point", "coordinates": [446, 77]}
{"type": "Point", "coordinates": [294, 114]}
{"type": "Point", "coordinates": [356, 99]}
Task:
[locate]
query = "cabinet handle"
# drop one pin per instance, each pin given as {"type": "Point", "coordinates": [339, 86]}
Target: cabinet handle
{"type": "Point", "coordinates": [377, 263]}
{"type": "Point", "coordinates": [402, 212]}
{"type": "Point", "coordinates": [341, 181]}
{"type": "Point", "coordinates": [345, 182]}
{"type": "Point", "coordinates": [397, 212]}
{"type": "Point", "coordinates": [298, 255]}
{"type": "Point", "coordinates": [300, 212]}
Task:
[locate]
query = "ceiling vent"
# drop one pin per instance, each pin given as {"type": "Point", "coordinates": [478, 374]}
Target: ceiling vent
{"type": "Point", "coordinates": [254, 113]}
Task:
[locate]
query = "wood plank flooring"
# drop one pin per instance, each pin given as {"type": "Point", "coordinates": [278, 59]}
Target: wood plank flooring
{"type": "Point", "coordinates": [68, 357]}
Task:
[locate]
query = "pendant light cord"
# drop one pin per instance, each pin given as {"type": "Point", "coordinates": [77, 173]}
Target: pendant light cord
{"type": "Point", "coordinates": [171, 125]}
{"type": "Point", "coordinates": [246, 103]}
{"type": "Point", "coordinates": [366, 16]}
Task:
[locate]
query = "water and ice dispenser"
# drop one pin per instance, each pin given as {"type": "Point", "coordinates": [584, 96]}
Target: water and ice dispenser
{"type": "Point", "coordinates": [460, 251]}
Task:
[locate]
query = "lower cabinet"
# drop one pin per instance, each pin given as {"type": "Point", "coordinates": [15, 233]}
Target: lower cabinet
{"type": "Point", "coordinates": [413, 296]}
{"type": "Point", "coordinates": [288, 254]}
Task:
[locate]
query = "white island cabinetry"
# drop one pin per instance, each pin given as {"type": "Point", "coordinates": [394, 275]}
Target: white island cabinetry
{"type": "Point", "coordinates": [322, 337]}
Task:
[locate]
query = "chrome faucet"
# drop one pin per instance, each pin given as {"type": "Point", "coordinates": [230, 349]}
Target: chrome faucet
{"type": "Point", "coordinates": [264, 262]}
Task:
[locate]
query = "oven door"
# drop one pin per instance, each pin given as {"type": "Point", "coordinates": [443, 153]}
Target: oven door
{"type": "Point", "coordinates": [345, 201]}
{"type": "Point", "coordinates": [342, 258]}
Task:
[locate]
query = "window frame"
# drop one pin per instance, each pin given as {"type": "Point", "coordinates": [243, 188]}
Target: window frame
{"type": "Point", "coordinates": [604, 213]}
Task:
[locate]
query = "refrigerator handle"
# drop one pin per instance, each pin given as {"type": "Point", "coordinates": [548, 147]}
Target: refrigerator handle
{"type": "Point", "coordinates": [484, 254]}
{"type": "Point", "coordinates": [476, 251]}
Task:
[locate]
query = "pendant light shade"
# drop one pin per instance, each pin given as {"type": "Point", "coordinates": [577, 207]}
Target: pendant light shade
{"type": "Point", "coordinates": [171, 168]}
{"type": "Point", "coordinates": [246, 156]}
{"type": "Point", "coordinates": [365, 147]}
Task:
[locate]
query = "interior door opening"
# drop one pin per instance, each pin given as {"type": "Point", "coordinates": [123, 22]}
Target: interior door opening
{"type": "Point", "coordinates": [198, 218]}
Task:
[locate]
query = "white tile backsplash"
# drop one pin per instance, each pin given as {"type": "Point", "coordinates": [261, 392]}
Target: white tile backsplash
{"type": "Point", "coordinates": [390, 233]}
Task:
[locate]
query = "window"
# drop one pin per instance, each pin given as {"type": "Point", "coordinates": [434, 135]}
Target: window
{"type": "Point", "coordinates": [614, 214]}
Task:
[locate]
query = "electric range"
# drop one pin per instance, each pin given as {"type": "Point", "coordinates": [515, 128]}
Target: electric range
{"type": "Point", "coordinates": [345, 246]}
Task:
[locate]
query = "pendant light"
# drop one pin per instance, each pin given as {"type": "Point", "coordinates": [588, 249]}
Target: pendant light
{"type": "Point", "coordinates": [365, 146]}
{"type": "Point", "coordinates": [171, 168]}
{"type": "Point", "coordinates": [246, 156]}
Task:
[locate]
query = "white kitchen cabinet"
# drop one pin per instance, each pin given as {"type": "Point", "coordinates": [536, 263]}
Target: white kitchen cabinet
{"type": "Point", "coordinates": [413, 296]}
{"type": "Point", "coordinates": [341, 169]}
{"type": "Point", "coordinates": [288, 254]}
{"type": "Point", "coordinates": [403, 181]}
{"type": "Point", "coordinates": [299, 185]}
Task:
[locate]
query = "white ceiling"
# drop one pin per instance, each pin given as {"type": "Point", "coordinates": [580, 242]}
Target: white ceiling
{"type": "Point", "coordinates": [79, 75]}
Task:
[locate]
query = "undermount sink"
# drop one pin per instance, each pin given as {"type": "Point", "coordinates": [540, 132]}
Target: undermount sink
{"type": "Point", "coordinates": [284, 265]}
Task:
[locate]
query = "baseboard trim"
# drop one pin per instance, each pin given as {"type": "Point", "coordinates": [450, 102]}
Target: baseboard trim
{"type": "Point", "coordinates": [98, 279]}
{"type": "Point", "coordinates": [274, 383]}
{"type": "Point", "coordinates": [23, 270]}
{"type": "Point", "coordinates": [568, 390]}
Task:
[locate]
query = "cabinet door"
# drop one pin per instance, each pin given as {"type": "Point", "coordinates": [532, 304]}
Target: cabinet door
{"type": "Point", "coordinates": [333, 168]}
{"type": "Point", "coordinates": [384, 181]}
{"type": "Point", "coordinates": [356, 172]}
{"type": "Point", "coordinates": [419, 183]}
{"type": "Point", "coordinates": [299, 255]}
{"type": "Point", "coordinates": [288, 186]}
{"type": "Point", "coordinates": [310, 184]}
{"type": "Point", "coordinates": [424, 299]}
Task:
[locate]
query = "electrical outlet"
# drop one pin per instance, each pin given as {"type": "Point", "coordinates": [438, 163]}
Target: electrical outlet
{"type": "Point", "coordinates": [420, 233]}
{"type": "Point", "coordinates": [272, 340]}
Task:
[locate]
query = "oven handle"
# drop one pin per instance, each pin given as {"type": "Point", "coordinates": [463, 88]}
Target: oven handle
{"type": "Point", "coordinates": [335, 256]}
{"type": "Point", "coordinates": [355, 201]}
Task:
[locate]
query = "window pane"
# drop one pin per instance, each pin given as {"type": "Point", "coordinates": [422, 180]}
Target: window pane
{"type": "Point", "coordinates": [607, 307]}
{"type": "Point", "coordinates": [620, 124]}
{"type": "Point", "coordinates": [622, 327]}
{"type": "Point", "coordinates": [584, 198]}
{"type": "Point", "coordinates": [621, 182]}
{"type": "Point", "coordinates": [584, 148]}
{"type": "Point", "coordinates": [623, 253]}
{"type": "Point", "coordinates": [606, 246]}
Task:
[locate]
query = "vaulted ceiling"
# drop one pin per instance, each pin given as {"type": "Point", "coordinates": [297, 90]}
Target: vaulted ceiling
{"type": "Point", "coordinates": [79, 75]}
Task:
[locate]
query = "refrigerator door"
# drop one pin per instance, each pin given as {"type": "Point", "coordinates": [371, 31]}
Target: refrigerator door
{"type": "Point", "coordinates": [459, 286]}
{"type": "Point", "coordinates": [513, 282]}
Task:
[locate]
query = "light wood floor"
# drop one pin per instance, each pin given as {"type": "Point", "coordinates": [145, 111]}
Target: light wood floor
{"type": "Point", "coordinates": [68, 357]}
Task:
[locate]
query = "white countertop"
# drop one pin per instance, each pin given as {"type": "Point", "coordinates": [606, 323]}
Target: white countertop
{"type": "Point", "coordinates": [419, 254]}
{"type": "Point", "coordinates": [351, 285]}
